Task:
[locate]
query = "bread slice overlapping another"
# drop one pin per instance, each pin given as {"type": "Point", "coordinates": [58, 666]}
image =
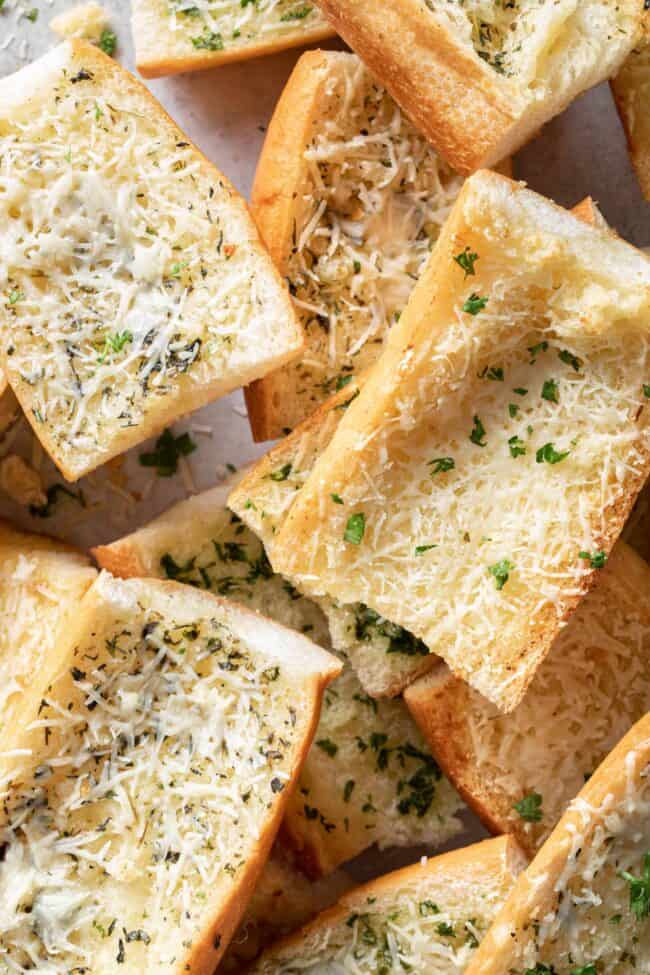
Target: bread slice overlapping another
{"type": "Point", "coordinates": [349, 199]}
{"type": "Point", "coordinates": [191, 35]}
{"type": "Point", "coordinates": [479, 78]}
{"type": "Point", "coordinates": [520, 771]}
{"type": "Point", "coordinates": [140, 802]}
{"type": "Point", "coordinates": [497, 446]}
{"type": "Point", "coordinates": [631, 88]}
{"type": "Point", "coordinates": [135, 286]}
{"type": "Point", "coordinates": [428, 918]}
{"type": "Point", "coordinates": [369, 777]}
{"type": "Point", "coordinates": [583, 903]}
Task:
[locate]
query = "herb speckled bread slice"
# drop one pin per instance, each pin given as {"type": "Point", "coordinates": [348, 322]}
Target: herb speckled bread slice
{"type": "Point", "coordinates": [349, 199]}
{"type": "Point", "coordinates": [139, 806]}
{"type": "Point", "coordinates": [631, 88]}
{"type": "Point", "coordinates": [479, 78]}
{"type": "Point", "coordinates": [428, 918]}
{"type": "Point", "coordinates": [369, 777]}
{"type": "Point", "coordinates": [583, 904]}
{"type": "Point", "coordinates": [519, 771]}
{"type": "Point", "coordinates": [135, 286]}
{"type": "Point", "coordinates": [500, 439]}
{"type": "Point", "coordinates": [171, 36]}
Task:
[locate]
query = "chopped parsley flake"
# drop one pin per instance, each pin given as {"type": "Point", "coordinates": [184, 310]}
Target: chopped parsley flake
{"type": "Point", "coordinates": [16, 296]}
{"type": "Point", "coordinates": [535, 351]}
{"type": "Point", "coordinates": [478, 432]}
{"type": "Point", "coordinates": [474, 304]}
{"type": "Point", "coordinates": [281, 473]}
{"type": "Point", "coordinates": [549, 455]}
{"type": "Point", "coordinates": [329, 747]}
{"type": "Point", "coordinates": [446, 930]}
{"type": "Point", "coordinates": [427, 908]}
{"type": "Point", "coordinates": [336, 498]}
{"type": "Point", "coordinates": [501, 571]}
{"type": "Point", "coordinates": [355, 528]}
{"type": "Point", "coordinates": [439, 465]}
{"type": "Point", "coordinates": [32, 15]}
{"type": "Point", "coordinates": [530, 807]}
{"type": "Point", "coordinates": [167, 452]}
{"type": "Point", "coordinates": [348, 789]}
{"type": "Point", "coordinates": [589, 969]}
{"type": "Point", "coordinates": [517, 447]}
{"type": "Point", "coordinates": [639, 890]}
{"type": "Point", "coordinates": [299, 14]}
{"type": "Point", "coordinates": [209, 40]}
{"type": "Point", "coordinates": [467, 259]}
{"type": "Point", "coordinates": [108, 42]}
{"type": "Point", "coordinates": [342, 382]}
{"type": "Point", "coordinates": [520, 391]}
{"type": "Point", "coordinates": [550, 391]}
{"type": "Point", "coordinates": [114, 343]}
{"type": "Point", "coordinates": [596, 559]}
{"type": "Point", "coordinates": [513, 409]}
{"type": "Point", "coordinates": [492, 372]}
{"type": "Point", "coordinates": [571, 360]}
{"type": "Point", "coordinates": [646, 390]}
{"type": "Point", "coordinates": [421, 549]}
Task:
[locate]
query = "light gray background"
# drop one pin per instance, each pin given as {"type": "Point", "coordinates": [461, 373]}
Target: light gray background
{"type": "Point", "coordinates": [225, 112]}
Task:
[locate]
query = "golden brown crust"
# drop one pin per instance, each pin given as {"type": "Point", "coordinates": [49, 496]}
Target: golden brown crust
{"type": "Point", "coordinates": [631, 90]}
{"type": "Point", "coordinates": [120, 558]}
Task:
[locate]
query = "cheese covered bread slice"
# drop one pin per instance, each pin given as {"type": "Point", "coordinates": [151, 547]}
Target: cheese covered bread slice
{"type": "Point", "coordinates": [583, 904]}
{"type": "Point", "coordinates": [496, 447]}
{"type": "Point", "coordinates": [369, 777]}
{"type": "Point", "coordinates": [479, 78]}
{"type": "Point", "coordinates": [349, 198]}
{"type": "Point", "coordinates": [631, 88]}
{"type": "Point", "coordinates": [140, 804]}
{"type": "Point", "coordinates": [171, 36]}
{"type": "Point", "coordinates": [428, 918]}
{"type": "Point", "coordinates": [134, 284]}
{"type": "Point", "coordinates": [519, 771]}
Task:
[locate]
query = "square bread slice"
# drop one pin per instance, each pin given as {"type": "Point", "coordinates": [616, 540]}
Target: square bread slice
{"type": "Point", "coordinates": [369, 777]}
{"type": "Point", "coordinates": [135, 286]}
{"type": "Point", "coordinates": [583, 903]}
{"type": "Point", "coordinates": [172, 36]}
{"type": "Point", "coordinates": [519, 771]}
{"type": "Point", "coordinates": [349, 199]}
{"type": "Point", "coordinates": [496, 447]}
{"type": "Point", "coordinates": [428, 918]}
{"type": "Point", "coordinates": [479, 78]}
{"type": "Point", "coordinates": [631, 88]}
{"type": "Point", "coordinates": [140, 805]}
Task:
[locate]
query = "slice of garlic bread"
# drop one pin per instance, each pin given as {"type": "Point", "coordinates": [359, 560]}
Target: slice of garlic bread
{"type": "Point", "coordinates": [369, 777]}
{"type": "Point", "coordinates": [135, 286]}
{"type": "Point", "coordinates": [496, 447]}
{"type": "Point", "coordinates": [519, 771]}
{"type": "Point", "coordinates": [631, 88]}
{"type": "Point", "coordinates": [349, 199]}
{"type": "Point", "coordinates": [479, 78]}
{"type": "Point", "coordinates": [583, 904]}
{"type": "Point", "coordinates": [171, 36]}
{"type": "Point", "coordinates": [428, 918]}
{"type": "Point", "coordinates": [140, 805]}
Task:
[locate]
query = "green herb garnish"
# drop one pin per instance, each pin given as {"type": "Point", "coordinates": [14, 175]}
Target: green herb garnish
{"type": "Point", "coordinates": [421, 549]}
{"type": "Point", "coordinates": [329, 747]}
{"type": "Point", "coordinates": [440, 465]}
{"type": "Point", "coordinates": [474, 304]}
{"type": "Point", "coordinates": [517, 447]}
{"type": "Point", "coordinates": [571, 360]}
{"type": "Point", "coordinates": [108, 42]}
{"type": "Point", "coordinates": [477, 434]}
{"type": "Point", "coordinates": [501, 571]}
{"type": "Point", "coordinates": [536, 349]}
{"type": "Point", "coordinates": [355, 528]}
{"type": "Point", "coordinates": [549, 455]}
{"type": "Point", "coordinates": [208, 41]}
{"type": "Point", "coordinates": [639, 890]}
{"type": "Point", "coordinates": [467, 259]}
{"type": "Point", "coordinates": [530, 807]}
{"type": "Point", "coordinates": [596, 559]}
{"type": "Point", "coordinates": [550, 391]}
{"type": "Point", "coordinates": [281, 473]}
{"type": "Point", "coordinates": [167, 452]}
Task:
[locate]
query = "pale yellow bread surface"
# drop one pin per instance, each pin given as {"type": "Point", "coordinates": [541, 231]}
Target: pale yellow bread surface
{"type": "Point", "coordinates": [369, 777]}
{"type": "Point", "coordinates": [631, 88]}
{"type": "Point", "coordinates": [480, 78]}
{"type": "Point", "coordinates": [591, 688]}
{"type": "Point", "coordinates": [426, 918]}
{"type": "Point", "coordinates": [503, 432]}
{"type": "Point", "coordinates": [135, 285]}
{"type": "Point", "coordinates": [145, 795]}
{"type": "Point", "coordinates": [172, 36]}
{"type": "Point", "coordinates": [349, 199]}
{"type": "Point", "coordinates": [577, 904]}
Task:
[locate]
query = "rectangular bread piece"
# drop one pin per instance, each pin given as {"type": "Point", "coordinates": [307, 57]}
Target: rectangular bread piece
{"type": "Point", "coordinates": [428, 918]}
{"type": "Point", "coordinates": [135, 285]}
{"type": "Point", "coordinates": [140, 804]}
{"type": "Point", "coordinates": [369, 777]}
{"type": "Point", "coordinates": [583, 905]}
{"type": "Point", "coordinates": [479, 78]}
{"type": "Point", "coordinates": [349, 199]}
{"type": "Point", "coordinates": [172, 36]}
{"type": "Point", "coordinates": [631, 88]}
{"type": "Point", "coordinates": [496, 447]}
{"type": "Point", "coordinates": [520, 771]}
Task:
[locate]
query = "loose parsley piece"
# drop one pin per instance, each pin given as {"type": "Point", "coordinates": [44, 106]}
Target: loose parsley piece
{"type": "Point", "coordinates": [440, 465]}
{"type": "Point", "coordinates": [520, 391]}
{"type": "Point", "coordinates": [492, 372]}
{"type": "Point", "coordinates": [501, 571]}
{"type": "Point", "coordinates": [427, 908]}
{"type": "Point", "coordinates": [329, 747]}
{"type": "Point", "coordinates": [342, 382]}
{"type": "Point", "coordinates": [517, 447]}
{"type": "Point", "coordinates": [639, 890]}
{"type": "Point", "coordinates": [281, 473]}
{"type": "Point", "coordinates": [108, 42]}
{"type": "Point", "coordinates": [336, 498]}
{"type": "Point", "coordinates": [535, 351]}
{"type": "Point", "coordinates": [571, 360]}
{"type": "Point", "coordinates": [589, 969]}
{"type": "Point", "coordinates": [369, 624]}
{"type": "Point", "coordinates": [474, 304]}
{"type": "Point", "coordinates": [467, 259]}
{"type": "Point", "coordinates": [646, 388]}
{"type": "Point", "coordinates": [114, 343]}
{"type": "Point", "coordinates": [299, 14]}
{"type": "Point", "coordinates": [530, 807]}
{"type": "Point", "coordinates": [550, 391]}
{"type": "Point", "coordinates": [478, 432]}
{"type": "Point", "coordinates": [355, 528]}
{"type": "Point", "coordinates": [596, 559]}
{"type": "Point", "coordinates": [421, 549]}
{"type": "Point", "coordinates": [513, 409]}
{"type": "Point", "coordinates": [209, 40]}
{"type": "Point", "coordinates": [549, 455]}
{"type": "Point", "coordinates": [53, 493]}
{"type": "Point", "coordinates": [32, 15]}
{"type": "Point", "coordinates": [167, 452]}
{"type": "Point", "coordinates": [446, 930]}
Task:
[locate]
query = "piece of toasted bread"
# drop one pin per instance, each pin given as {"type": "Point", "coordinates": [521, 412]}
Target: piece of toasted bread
{"type": "Point", "coordinates": [349, 199]}
{"type": "Point", "coordinates": [428, 918]}
{"type": "Point", "coordinates": [497, 445]}
{"type": "Point", "coordinates": [479, 79]}
{"type": "Point", "coordinates": [140, 805]}
{"type": "Point", "coordinates": [170, 38]}
{"type": "Point", "coordinates": [519, 771]}
{"type": "Point", "coordinates": [136, 287]}
{"type": "Point", "coordinates": [631, 89]}
{"type": "Point", "coordinates": [369, 777]}
{"type": "Point", "coordinates": [582, 905]}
